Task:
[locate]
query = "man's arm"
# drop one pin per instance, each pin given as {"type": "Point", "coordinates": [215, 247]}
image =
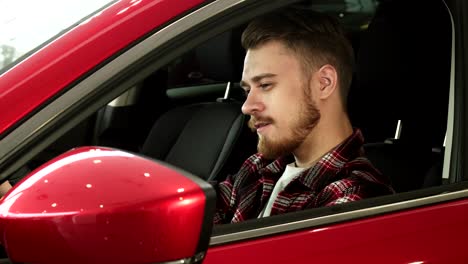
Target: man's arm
{"type": "Point", "coordinates": [358, 186]}
{"type": "Point", "coordinates": [225, 199]}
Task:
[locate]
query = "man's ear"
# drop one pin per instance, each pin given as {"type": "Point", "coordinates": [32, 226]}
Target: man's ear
{"type": "Point", "coordinates": [328, 81]}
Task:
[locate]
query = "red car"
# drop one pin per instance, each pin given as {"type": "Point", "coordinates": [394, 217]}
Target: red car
{"type": "Point", "coordinates": [114, 131]}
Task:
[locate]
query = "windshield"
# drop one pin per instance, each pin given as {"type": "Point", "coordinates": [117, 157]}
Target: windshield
{"type": "Point", "coordinates": [26, 24]}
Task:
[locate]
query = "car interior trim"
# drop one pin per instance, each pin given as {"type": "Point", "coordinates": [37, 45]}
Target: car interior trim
{"type": "Point", "coordinates": [126, 99]}
{"type": "Point", "coordinates": [451, 106]}
{"type": "Point", "coordinates": [188, 91]}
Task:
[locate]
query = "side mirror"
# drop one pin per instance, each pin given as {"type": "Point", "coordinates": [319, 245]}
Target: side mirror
{"type": "Point", "coordinates": [102, 205]}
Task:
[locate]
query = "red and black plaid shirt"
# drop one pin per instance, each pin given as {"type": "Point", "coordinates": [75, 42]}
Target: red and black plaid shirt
{"type": "Point", "coordinates": [342, 175]}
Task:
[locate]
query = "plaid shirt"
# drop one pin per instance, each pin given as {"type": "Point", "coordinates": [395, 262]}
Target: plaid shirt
{"type": "Point", "coordinates": [341, 175]}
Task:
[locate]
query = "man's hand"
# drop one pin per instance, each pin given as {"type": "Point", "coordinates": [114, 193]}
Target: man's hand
{"type": "Point", "coordinates": [4, 188]}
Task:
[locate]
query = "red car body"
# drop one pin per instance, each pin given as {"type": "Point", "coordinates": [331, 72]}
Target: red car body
{"type": "Point", "coordinates": [416, 230]}
{"type": "Point", "coordinates": [423, 235]}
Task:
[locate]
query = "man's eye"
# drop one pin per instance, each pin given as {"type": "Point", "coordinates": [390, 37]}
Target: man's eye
{"type": "Point", "coordinates": [246, 92]}
{"type": "Point", "coordinates": [264, 86]}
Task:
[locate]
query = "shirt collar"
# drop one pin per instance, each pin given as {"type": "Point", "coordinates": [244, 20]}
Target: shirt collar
{"type": "Point", "coordinates": [330, 163]}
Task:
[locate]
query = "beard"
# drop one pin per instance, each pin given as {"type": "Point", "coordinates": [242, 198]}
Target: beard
{"type": "Point", "coordinates": [307, 119]}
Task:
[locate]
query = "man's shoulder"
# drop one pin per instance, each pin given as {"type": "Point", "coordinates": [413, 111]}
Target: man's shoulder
{"type": "Point", "coordinates": [360, 170]}
{"type": "Point", "coordinates": [251, 166]}
{"type": "Point", "coordinates": [360, 162]}
{"type": "Point", "coordinates": [358, 179]}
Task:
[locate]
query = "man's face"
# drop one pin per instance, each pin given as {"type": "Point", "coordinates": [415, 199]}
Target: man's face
{"type": "Point", "coordinates": [282, 113]}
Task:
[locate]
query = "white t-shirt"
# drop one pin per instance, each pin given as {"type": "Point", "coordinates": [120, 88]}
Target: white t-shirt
{"type": "Point", "coordinates": [289, 174]}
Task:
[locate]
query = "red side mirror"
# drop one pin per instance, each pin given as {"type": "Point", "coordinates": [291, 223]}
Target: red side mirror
{"type": "Point", "coordinates": [101, 205]}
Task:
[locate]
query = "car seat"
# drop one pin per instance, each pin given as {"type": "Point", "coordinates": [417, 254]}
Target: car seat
{"type": "Point", "coordinates": [209, 139]}
{"type": "Point", "coordinates": [199, 138]}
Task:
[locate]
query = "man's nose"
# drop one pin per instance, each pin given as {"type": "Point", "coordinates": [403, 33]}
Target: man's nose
{"type": "Point", "coordinates": [252, 104]}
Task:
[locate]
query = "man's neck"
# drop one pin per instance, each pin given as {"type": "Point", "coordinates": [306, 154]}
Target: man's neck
{"type": "Point", "coordinates": [324, 137]}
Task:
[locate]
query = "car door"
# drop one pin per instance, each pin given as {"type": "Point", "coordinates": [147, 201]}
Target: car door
{"type": "Point", "coordinates": [413, 227]}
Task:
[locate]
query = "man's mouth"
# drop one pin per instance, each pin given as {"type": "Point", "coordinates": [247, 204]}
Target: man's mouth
{"type": "Point", "coordinates": [261, 126]}
{"type": "Point", "coordinates": [258, 125]}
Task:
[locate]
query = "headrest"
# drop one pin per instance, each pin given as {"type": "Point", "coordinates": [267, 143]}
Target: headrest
{"type": "Point", "coordinates": [219, 59]}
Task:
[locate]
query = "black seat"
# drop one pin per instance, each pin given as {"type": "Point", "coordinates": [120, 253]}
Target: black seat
{"type": "Point", "coordinates": [200, 138]}
{"type": "Point", "coordinates": [403, 73]}
{"type": "Point", "coordinates": [209, 139]}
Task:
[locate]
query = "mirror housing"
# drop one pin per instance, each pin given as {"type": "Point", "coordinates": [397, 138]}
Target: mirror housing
{"type": "Point", "coordinates": [102, 205]}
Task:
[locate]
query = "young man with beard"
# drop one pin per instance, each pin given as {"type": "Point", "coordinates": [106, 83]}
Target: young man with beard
{"type": "Point", "coordinates": [297, 73]}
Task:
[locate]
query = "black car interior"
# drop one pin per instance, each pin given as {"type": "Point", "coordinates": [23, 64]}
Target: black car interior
{"type": "Point", "coordinates": [403, 73]}
{"type": "Point", "coordinates": [201, 138]}
{"type": "Point", "coordinates": [184, 115]}
{"type": "Point", "coordinates": [204, 132]}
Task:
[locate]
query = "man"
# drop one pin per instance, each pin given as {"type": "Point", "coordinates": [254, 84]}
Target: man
{"type": "Point", "coordinates": [297, 73]}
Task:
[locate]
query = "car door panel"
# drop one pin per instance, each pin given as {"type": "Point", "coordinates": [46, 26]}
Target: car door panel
{"type": "Point", "coordinates": [433, 234]}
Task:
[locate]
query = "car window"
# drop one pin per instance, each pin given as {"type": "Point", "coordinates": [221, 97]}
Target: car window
{"type": "Point", "coordinates": [404, 125]}
{"type": "Point", "coordinates": [26, 24]}
{"type": "Point", "coordinates": [392, 128]}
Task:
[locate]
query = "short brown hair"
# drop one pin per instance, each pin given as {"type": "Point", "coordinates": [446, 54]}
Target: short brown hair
{"type": "Point", "coordinates": [315, 38]}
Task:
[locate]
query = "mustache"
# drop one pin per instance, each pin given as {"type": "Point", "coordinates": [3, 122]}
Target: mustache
{"type": "Point", "coordinates": [254, 120]}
